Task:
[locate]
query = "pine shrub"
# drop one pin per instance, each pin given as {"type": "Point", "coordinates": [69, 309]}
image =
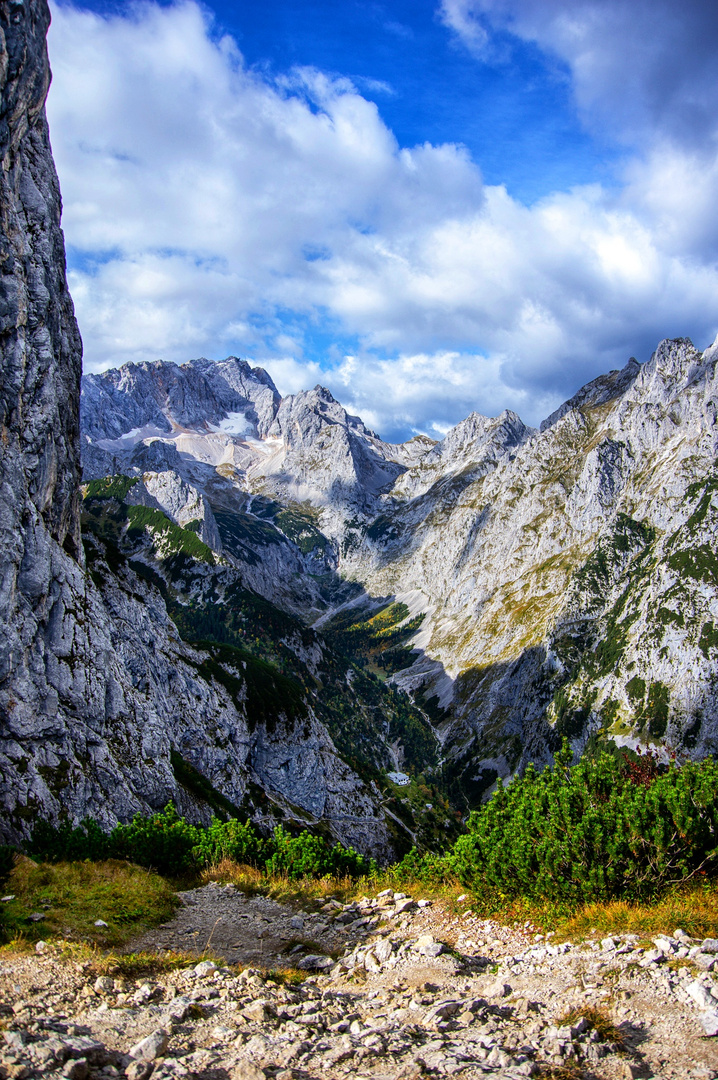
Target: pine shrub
{"type": "Point", "coordinates": [169, 844]}
{"type": "Point", "coordinates": [592, 832]}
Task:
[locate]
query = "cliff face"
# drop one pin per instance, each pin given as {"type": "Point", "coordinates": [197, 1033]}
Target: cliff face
{"type": "Point", "coordinates": [41, 349]}
{"type": "Point", "coordinates": [39, 393]}
{"type": "Point", "coordinates": [103, 709]}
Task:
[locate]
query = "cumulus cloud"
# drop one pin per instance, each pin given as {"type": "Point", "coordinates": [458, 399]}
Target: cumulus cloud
{"type": "Point", "coordinates": [211, 209]}
{"type": "Point", "coordinates": [644, 73]}
{"type": "Point", "coordinates": [637, 68]}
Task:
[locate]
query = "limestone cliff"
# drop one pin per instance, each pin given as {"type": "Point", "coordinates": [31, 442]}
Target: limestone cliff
{"type": "Point", "coordinates": [104, 710]}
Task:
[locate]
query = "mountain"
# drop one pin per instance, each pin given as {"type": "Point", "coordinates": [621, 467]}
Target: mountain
{"type": "Point", "coordinates": [552, 583]}
{"type": "Point", "coordinates": [105, 709]}
{"type": "Point", "coordinates": [254, 605]}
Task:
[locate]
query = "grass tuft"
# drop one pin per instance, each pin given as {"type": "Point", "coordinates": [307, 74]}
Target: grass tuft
{"type": "Point", "coordinates": [133, 965]}
{"type": "Point", "coordinates": [596, 1019]}
{"type": "Point", "coordinates": [569, 1071]}
{"type": "Point", "coordinates": [693, 910]}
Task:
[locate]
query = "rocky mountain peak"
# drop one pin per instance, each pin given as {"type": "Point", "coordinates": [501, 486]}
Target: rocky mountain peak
{"type": "Point", "coordinates": [599, 391]}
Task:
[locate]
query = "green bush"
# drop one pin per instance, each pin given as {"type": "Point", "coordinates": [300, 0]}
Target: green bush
{"type": "Point", "coordinates": [7, 861]}
{"type": "Point", "coordinates": [427, 867]}
{"type": "Point", "coordinates": [65, 843]}
{"type": "Point", "coordinates": [591, 832]}
{"type": "Point", "coordinates": [165, 842]}
{"type": "Point", "coordinates": [308, 855]}
{"type": "Point", "coordinates": [169, 844]}
{"type": "Point", "coordinates": [231, 839]}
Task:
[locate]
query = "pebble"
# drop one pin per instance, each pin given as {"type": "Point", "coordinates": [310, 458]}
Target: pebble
{"type": "Point", "coordinates": [151, 1047]}
{"type": "Point", "coordinates": [396, 1005]}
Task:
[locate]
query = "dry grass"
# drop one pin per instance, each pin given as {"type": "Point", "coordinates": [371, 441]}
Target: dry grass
{"type": "Point", "coordinates": [318, 891]}
{"type": "Point", "coordinates": [283, 889]}
{"type": "Point", "coordinates": [132, 965]}
{"type": "Point", "coordinates": [287, 976]}
{"type": "Point", "coordinates": [72, 896]}
{"type": "Point", "coordinates": [599, 1021]}
{"type": "Point", "coordinates": [693, 910]}
{"type": "Point", "coordinates": [569, 1071]}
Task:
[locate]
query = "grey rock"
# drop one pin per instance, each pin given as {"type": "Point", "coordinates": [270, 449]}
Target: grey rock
{"type": "Point", "coordinates": [315, 962]}
{"type": "Point", "coordinates": [246, 1071]}
{"type": "Point", "coordinates": [700, 995]}
{"type": "Point", "coordinates": [77, 1069]}
{"type": "Point", "coordinates": [151, 1047]}
{"type": "Point", "coordinates": [204, 968]}
{"type": "Point", "coordinates": [139, 1070]}
{"type": "Point", "coordinates": [709, 1021]}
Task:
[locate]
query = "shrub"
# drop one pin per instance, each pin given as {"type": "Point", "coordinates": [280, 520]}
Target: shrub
{"type": "Point", "coordinates": [591, 832]}
{"type": "Point", "coordinates": [169, 844]}
{"type": "Point", "coordinates": [65, 843]}
{"type": "Point", "coordinates": [165, 842]}
{"type": "Point", "coordinates": [307, 855]}
{"type": "Point", "coordinates": [7, 861]}
{"type": "Point", "coordinates": [233, 839]}
{"type": "Point", "coordinates": [427, 867]}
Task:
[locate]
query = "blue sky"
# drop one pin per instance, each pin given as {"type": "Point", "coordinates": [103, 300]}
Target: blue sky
{"type": "Point", "coordinates": [430, 207]}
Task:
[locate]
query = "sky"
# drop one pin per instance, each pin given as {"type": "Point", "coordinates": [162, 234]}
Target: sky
{"type": "Point", "coordinates": [429, 206]}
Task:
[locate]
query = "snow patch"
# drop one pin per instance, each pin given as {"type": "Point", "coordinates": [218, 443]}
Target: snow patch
{"type": "Point", "coordinates": [235, 423]}
{"type": "Point", "coordinates": [131, 438]}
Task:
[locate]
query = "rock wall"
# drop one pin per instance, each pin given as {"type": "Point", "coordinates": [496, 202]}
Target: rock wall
{"type": "Point", "coordinates": [99, 698]}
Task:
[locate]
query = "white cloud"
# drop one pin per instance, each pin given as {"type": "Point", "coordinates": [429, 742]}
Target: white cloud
{"type": "Point", "coordinates": [644, 73]}
{"type": "Point", "coordinates": [215, 211]}
{"type": "Point", "coordinates": [637, 68]}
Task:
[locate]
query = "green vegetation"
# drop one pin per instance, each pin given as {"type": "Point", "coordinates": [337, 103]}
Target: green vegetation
{"type": "Point", "coordinates": [268, 691]}
{"type": "Point", "coordinates": [110, 487]}
{"type": "Point", "coordinates": [570, 718]}
{"type": "Point", "coordinates": [636, 689]}
{"type": "Point", "coordinates": [599, 830]}
{"type": "Point", "coordinates": [168, 844]}
{"type": "Point", "coordinates": [297, 524]}
{"type": "Point", "coordinates": [654, 714]}
{"type": "Point", "coordinates": [378, 640]}
{"type": "Point", "coordinates": [708, 639]}
{"type": "Point", "coordinates": [107, 516]}
{"type": "Point", "coordinates": [76, 894]}
{"type": "Point", "coordinates": [174, 539]}
{"type": "Point", "coordinates": [699, 563]}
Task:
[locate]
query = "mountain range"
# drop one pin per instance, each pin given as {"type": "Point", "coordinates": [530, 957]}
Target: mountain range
{"type": "Point", "coordinates": [252, 604]}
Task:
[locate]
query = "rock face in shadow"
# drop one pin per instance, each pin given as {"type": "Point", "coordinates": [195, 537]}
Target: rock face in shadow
{"type": "Point", "coordinates": [41, 348]}
{"type": "Point", "coordinates": [99, 698]}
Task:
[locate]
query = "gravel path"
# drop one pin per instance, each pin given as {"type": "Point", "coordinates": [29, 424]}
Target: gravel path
{"type": "Point", "coordinates": [394, 991]}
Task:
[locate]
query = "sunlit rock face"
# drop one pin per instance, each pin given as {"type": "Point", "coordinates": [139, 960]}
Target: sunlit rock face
{"type": "Point", "coordinates": [102, 705]}
{"type": "Point", "coordinates": [563, 579]}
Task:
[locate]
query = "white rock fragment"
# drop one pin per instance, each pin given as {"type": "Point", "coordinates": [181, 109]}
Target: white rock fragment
{"type": "Point", "coordinates": [153, 1046]}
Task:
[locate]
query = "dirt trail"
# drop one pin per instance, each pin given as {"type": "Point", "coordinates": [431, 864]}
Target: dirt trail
{"type": "Point", "coordinates": [408, 991]}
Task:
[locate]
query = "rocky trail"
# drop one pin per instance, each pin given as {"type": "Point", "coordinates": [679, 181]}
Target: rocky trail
{"type": "Point", "coordinates": [411, 990]}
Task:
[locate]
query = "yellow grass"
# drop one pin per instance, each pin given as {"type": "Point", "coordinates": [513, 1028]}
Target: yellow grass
{"type": "Point", "coordinates": [693, 910]}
